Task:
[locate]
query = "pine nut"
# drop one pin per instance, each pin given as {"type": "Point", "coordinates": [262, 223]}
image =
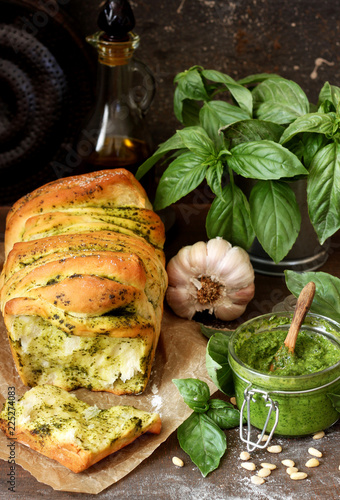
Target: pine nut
{"type": "Point", "coordinates": [268, 466]}
{"type": "Point", "coordinates": [233, 401]}
{"type": "Point", "coordinates": [264, 472]}
{"type": "Point", "coordinates": [244, 455]}
{"type": "Point", "coordinates": [275, 449]}
{"type": "Point", "coordinates": [264, 437]}
{"type": "Point", "coordinates": [313, 462]}
{"type": "Point", "coordinates": [291, 470]}
{"type": "Point", "coordinates": [248, 465]}
{"type": "Point", "coordinates": [319, 435]}
{"type": "Point", "coordinates": [177, 461]}
{"type": "Point", "coordinates": [288, 463]}
{"type": "Point", "coordinates": [314, 452]}
{"type": "Point", "coordinates": [298, 475]}
{"type": "Point", "coordinates": [257, 480]}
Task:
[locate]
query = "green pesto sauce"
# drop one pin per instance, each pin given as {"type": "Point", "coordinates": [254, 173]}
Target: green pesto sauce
{"type": "Point", "coordinates": [313, 353]}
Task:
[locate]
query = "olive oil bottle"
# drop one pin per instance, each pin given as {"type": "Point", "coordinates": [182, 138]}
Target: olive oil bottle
{"type": "Point", "coordinates": [116, 134]}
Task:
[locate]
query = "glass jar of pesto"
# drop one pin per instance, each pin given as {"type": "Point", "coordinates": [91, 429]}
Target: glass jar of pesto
{"type": "Point", "coordinates": [294, 401]}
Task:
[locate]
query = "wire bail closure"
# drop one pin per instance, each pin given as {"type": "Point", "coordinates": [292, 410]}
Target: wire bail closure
{"type": "Point", "coordinates": [273, 407]}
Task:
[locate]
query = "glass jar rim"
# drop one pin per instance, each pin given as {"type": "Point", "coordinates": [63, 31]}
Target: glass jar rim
{"type": "Point", "coordinates": [264, 376]}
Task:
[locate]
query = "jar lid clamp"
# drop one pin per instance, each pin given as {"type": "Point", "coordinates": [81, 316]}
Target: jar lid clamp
{"type": "Point", "coordinates": [273, 407]}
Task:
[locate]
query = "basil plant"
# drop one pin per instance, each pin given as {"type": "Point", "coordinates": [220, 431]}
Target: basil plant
{"type": "Point", "coordinates": [262, 128]}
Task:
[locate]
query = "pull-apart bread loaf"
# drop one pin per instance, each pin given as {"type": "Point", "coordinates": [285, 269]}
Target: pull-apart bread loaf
{"type": "Point", "coordinates": [83, 283]}
{"type": "Point", "coordinates": [60, 426]}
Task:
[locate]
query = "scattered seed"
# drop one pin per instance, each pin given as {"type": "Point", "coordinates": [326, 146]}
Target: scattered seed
{"type": "Point", "coordinates": [291, 470]}
{"type": "Point", "coordinates": [314, 452]}
{"type": "Point", "coordinates": [313, 462]}
{"type": "Point", "coordinates": [248, 465]}
{"type": "Point", "coordinates": [268, 466]}
{"type": "Point", "coordinates": [264, 472]}
{"type": "Point", "coordinates": [288, 463]}
{"type": "Point", "coordinates": [233, 401]}
{"type": "Point", "coordinates": [319, 435]}
{"type": "Point", "coordinates": [244, 455]}
{"type": "Point", "coordinates": [275, 449]}
{"type": "Point", "coordinates": [264, 437]}
{"type": "Point", "coordinates": [298, 475]}
{"type": "Point", "coordinates": [177, 461]}
{"type": "Point", "coordinates": [257, 480]}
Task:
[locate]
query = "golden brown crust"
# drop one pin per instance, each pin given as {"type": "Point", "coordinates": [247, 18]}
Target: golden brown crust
{"type": "Point", "coordinates": [86, 257]}
{"type": "Point", "coordinates": [77, 435]}
{"type": "Point", "coordinates": [107, 188]}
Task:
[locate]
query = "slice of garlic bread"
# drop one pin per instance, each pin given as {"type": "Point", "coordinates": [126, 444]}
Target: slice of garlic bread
{"type": "Point", "coordinates": [60, 426]}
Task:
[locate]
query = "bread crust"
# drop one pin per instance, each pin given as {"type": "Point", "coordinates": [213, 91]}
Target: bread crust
{"type": "Point", "coordinates": [40, 434]}
{"type": "Point", "coordinates": [110, 188]}
{"type": "Point", "coordinates": [85, 256]}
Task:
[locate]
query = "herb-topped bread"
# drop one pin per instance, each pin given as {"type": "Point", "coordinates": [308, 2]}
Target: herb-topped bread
{"type": "Point", "coordinates": [60, 426]}
{"type": "Point", "coordinates": [84, 282]}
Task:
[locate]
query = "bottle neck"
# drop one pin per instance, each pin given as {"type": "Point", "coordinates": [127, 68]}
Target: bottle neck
{"type": "Point", "coordinates": [113, 83]}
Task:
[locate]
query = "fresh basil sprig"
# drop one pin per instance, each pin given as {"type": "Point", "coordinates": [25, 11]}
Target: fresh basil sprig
{"type": "Point", "coordinates": [335, 398]}
{"type": "Point", "coordinates": [201, 435]}
{"type": "Point", "coordinates": [268, 132]}
{"type": "Point", "coordinates": [217, 363]}
{"type": "Point", "coordinates": [327, 291]}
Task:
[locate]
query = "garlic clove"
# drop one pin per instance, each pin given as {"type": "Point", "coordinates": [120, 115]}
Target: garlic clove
{"type": "Point", "coordinates": [179, 268]}
{"type": "Point", "coordinates": [228, 312]}
{"type": "Point", "coordinates": [244, 295]}
{"type": "Point", "coordinates": [211, 276]}
{"type": "Point", "coordinates": [217, 249]}
{"type": "Point", "coordinates": [237, 267]}
{"type": "Point", "coordinates": [180, 302]}
{"type": "Point", "coordinates": [198, 258]}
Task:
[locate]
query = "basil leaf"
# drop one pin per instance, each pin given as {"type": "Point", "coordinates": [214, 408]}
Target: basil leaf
{"type": "Point", "coordinates": [313, 122]}
{"type": "Point", "coordinates": [209, 332]}
{"type": "Point", "coordinates": [330, 93]}
{"type": "Point", "coordinates": [203, 441]}
{"type": "Point", "coordinates": [217, 114]}
{"type": "Point", "coordinates": [223, 414]}
{"type": "Point", "coordinates": [264, 160]}
{"type": "Point", "coordinates": [311, 144]}
{"type": "Point", "coordinates": [241, 94]}
{"type": "Point", "coordinates": [252, 130]}
{"type": "Point", "coordinates": [217, 363]}
{"type": "Point", "coordinates": [197, 140]}
{"type": "Point", "coordinates": [327, 294]}
{"type": "Point", "coordinates": [175, 142]}
{"type": "Point", "coordinates": [181, 177]}
{"type": "Point", "coordinates": [191, 84]}
{"type": "Point", "coordinates": [194, 392]}
{"type": "Point", "coordinates": [214, 178]}
{"type": "Point", "coordinates": [229, 217]}
{"type": "Point", "coordinates": [279, 100]}
{"type": "Point", "coordinates": [335, 398]}
{"type": "Point", "coordinates": [323, 193]}
{"type": "Point", "coordinates": [275, 216]}
{"type": "Point", "coordinates": [257, 78]}
{"type": "Point", "coordinates": [190, 113]}
{"type": "Point", "coordinates": [190, 88]}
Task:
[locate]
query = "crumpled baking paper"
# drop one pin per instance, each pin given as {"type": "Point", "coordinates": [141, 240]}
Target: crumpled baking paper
{"type": "Point", "coordinates": [180, 354]}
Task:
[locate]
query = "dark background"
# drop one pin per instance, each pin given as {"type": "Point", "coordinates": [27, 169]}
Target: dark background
{"type": "Point", "coordinates": [298, 40]}
{"type": "Point", "coordinates": [238, 37]}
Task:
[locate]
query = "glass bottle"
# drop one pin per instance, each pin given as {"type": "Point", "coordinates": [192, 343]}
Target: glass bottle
{"type": "Point", "coordinates": [116, 134]}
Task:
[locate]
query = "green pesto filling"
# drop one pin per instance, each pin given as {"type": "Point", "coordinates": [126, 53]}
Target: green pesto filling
{"type": "Point", "coordinates": [47, 354]}
{"type": "Point", "coordinates": [49, 412]}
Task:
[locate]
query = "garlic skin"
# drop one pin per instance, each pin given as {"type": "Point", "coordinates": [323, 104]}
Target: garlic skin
{"type": "Point", "coordinates": [213, 276]}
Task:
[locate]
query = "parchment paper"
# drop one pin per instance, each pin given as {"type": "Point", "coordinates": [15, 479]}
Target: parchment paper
{"type": "Point", "coordinates": [180, 354]}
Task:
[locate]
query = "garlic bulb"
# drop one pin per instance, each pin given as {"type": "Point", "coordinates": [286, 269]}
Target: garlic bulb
{"type": "Point", "coordinates": [214, 276]}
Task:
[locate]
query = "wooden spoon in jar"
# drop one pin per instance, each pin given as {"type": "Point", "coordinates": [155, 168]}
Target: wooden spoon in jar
{"type": "Point", "coordinates": [303, 304]}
